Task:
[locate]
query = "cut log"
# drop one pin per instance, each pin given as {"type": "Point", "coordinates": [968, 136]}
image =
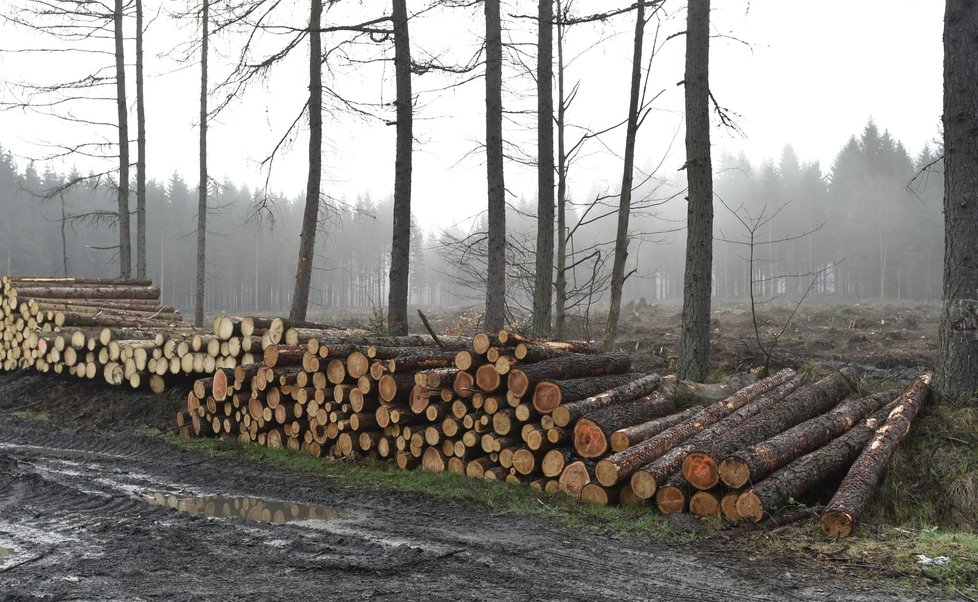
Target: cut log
{"type": "Point", "coordinates": [624, 438]}
{"type": "Point", "coordinates": [89, 292]}
{"type": "Point", "coordinates": [592, 433]}
{"type": "Point", "coordinates": [555, 460]}
{"type": "Point", "coordinates": [692, 393]}
{"type": "Point", "coordinates": [595, 494]}
{"type": "Point", "coordinates": [618, 467]}
{"type": "Point", "coordinates": [284, 355]}
{"type": "Point", "coordinates": [509, 338]}
{"type": "Point", "coordinates": [433, 460]}
{"type": "Point", "coordinates": [522, 380]}
{"type": "Point", "coordinates": [487, 378]}
{"type": "Point", "coordinates": [576, 476]}
{"type": "Point", "coordinates": [756, 462]}
{"type": "Point", "coordinates": [793, 480]}
{"type": "Point", "coordinates": [701, 466]}
{"type": "Point", "coordinates": [728, 506]}
{"type": "Point", "coordinates": [566, 414]}
{"type": "Point", "coordinates": [846, 506]}
{"type": "Point", "coordinates": [549, 394]}
{"type": "Point", "coordinates": [394, 385]}
{"type": "Point", "coordinates": [705, 503]}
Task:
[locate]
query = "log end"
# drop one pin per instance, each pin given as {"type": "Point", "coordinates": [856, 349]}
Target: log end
{"type": "Point", "coordinates": [643, 485]}
{"type": "Point", "coordinates": [619, 441]}
{"type": "Point", "coordinates": [546, 396]}
{"type": "Point", "coordinates": [670, 499]}
{"type": "Point", "coordinates": [481, 343]}
{"type": "Point", "coordinates": [734, 472]}
{"type": "Point", "coordinates": [561, 416]}
{"type": "Point", "coordinates": [606, 473]}
{"type": "Point", "coordinates": [704, 503]}
{"type": "Point", "coordinates": [597, 495]}
{"type": "Point", "coordinates": [728, 506]}
{"type": "Point", "coordinates": [553, 463]}
{"type": "Point", "coordinates": [219, 386]}
{"type": "Point", "coordinates": [838, 523]}
{"type": "Point", "coordinates": [750, 506]}
{"type": "Point", "coordinates": [518, 382]}
{"type": "Point", "coordinates": [700, 469]}
{"type": "Point", "coordinates": [487, 378]}
{"type": "Point", "coordinates": [589, 439]}
{"type": "Point", "coordinates": [357, 364]}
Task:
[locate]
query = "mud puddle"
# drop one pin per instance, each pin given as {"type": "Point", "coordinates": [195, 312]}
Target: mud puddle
{"type": "Point", "coordinates": [253, 509]}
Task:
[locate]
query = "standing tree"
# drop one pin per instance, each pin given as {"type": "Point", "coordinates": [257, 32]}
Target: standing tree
{"type": "Point", "coordinates": [140, 149]}
{"type": "Point", "coordinates": [310, 214]}
{"type": "Point", "coordinates": [957, 375]}
{"type": "Point", "coordinates": [496, 273]}
{"type": "Point", "coordinates": [125, 244]}
{"type": "Point", "coordinates": [625, 200]}
{"type": "Point", "coordinates": [199, 296]}
{"type": "Point", "coordinates": [694, 344]}
{"type": "Point", "coordinates": [401, 243]}
{"type": "Point", "coordinates": [543, 281]}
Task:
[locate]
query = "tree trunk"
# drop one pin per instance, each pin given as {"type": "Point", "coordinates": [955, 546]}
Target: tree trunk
{"type": "Point", "coordinates": [958, 345]}
{"type": "Point", "coordinates": [625, 201]}
{"type": "Point", "coordinates": [796, 478]}
{"type": "Point", "coordinates": [694, 342]}
{"type": "Point", "coordinates": [566, 414]}
{"type": "Point", "coordinates": [523, 380]}
{"type": "Point", "coordinates": [592, 433]}
{"type": "Point", "coordinates": [645, 482]}
{"type": "Point", "coordinates": [752, 464]}
{"type": "Point", "coordinates": [496, 259]}
{"type": "Point", "coordinates": [202, 183]}
{"type": "Point", "coordinates": [560, 308]}
{"type": "Point", "coordinates": [625, 437]}
{"type": "Point", "coordinates": [543, 281]}
{"type": "Point", "coordinates": [846, 506]}
{"type": "Point", "coordinates": [310, 214]}
{"type": "Point", "coordinates": [701, 466]}
{"type": "Point", "coordinates": [615, 468]}
{"type": "Point", "coordinates": [576, 476]}
{"type": "Point", "coordinates": [140, 149]}
{"type": "Point", "coordinates": [401, 243]}
{"type": "Point", "coordinates": [125, 242]}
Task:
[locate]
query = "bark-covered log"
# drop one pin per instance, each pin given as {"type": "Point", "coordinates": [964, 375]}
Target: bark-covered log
{"type": "Point", "coordinates": [555, 460]}
{"type": "Point", "coordinates": [616, 468]}
{"type": "Point", "coordinates": [566, 414]}
{"type": "Point", "coordinates": [592, 434]}
{"type": "Point", "coordinates": [705, 503]}
{"type": "Point", "coordinates": [846, 506]}
{"type": "Point", "coordinates": [687, 392]}
{"type": "Point", "coordinates": [701, 466]}
{"type": "Point", "coordinates": [756, 462]}
{"type": "Point", "coordinates": [507, 337]}
{"type": "Point", "coordinates": [528, 352]}
{"type": "Point", "coordinates": [522, 380]}
{"type": "Point", "coordinates": [549, 394]}
{"type": "Point", "coordinates": [633, 435]}
{"type": "Point", "coordinates": [791, 481]}
{"type": "Point", "coordinates": [600, 496]}
{"type": "Point", "coordinates": [394, 385]}
{"type": "Point", "coordinates": [284, 355]}
{"type": "Point", "coordinates": [89, 292]}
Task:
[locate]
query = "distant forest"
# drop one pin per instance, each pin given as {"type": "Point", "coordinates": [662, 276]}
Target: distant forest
{"type": "Point", "coordinates": [867, 227]}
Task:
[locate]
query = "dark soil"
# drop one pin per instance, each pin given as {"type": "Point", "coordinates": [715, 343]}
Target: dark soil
{"type": "Point", "coordinates": [75, 473]}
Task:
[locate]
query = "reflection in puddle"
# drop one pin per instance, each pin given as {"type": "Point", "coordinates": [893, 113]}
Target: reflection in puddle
{"type": "Point", "coordinates": [250, 508]}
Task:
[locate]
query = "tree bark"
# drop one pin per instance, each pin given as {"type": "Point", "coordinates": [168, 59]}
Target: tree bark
{"type": "Point", "coordinates": [560, 286]}
{"type": "Point", "coordinates": [625, 437]}
{"type": "Point", "coordinates": [617, 467]}
{"type": "Point", "coordinates": [694, 342]}
{"type": "Point", "coordinates": [522, 380]}
{"type": "Point", "coordinates": [543, 281]}
{"type": "Point", "coordinates": [91, 292]}
{"type": "Point", "coordinates": [625, 197]}
{"type": "Point", "coordinates": [566, 414]}
{"type": "Point", "coordinates": [496, 259]}
{"type": "Point", "coordinates": [401, 243]}
{"type": "Point", "coordinates": [957, 353]}
{"type": "Point", "coordinates": [645, 482]}
{"type": "Point", "coordinates": [701, 466]}
{"type": "Point", "coordinates": [756, 462]}
{"type": "Point", "coordinates": [592, 433]}
{"type": "Point", "coordinates": [125, 242]}
{"type": "Point", "coordinates": [140, 149]}
{"type": "Point", "coordinates": [199, 295]}
{"type": "Point", "coordinates": [793, 480]}
{"type": "Point", "coordinates": [847, 505]}
{"type": "Point", "coordinates": [310, 214]}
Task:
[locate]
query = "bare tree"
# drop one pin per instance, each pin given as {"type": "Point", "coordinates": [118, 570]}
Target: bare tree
{"type": "Point", "coordinates": [496, 272]}
{"type": "Point", "coordinates": [125, 244]}
{"type": "Point", "coordinates": [624, 205]}
{"type": "Point", "coordinates": [957, 375]}
{"type": "Point", "coordinates": [543, 283]}
{"type": "Point", "coordinates": [560, 285]}
{"type": "Point", "coordinates": [401, 243]}
{"type": "Point", "coordinates": [140, 149]}
{"type": "Point", "coordinates": [694, 342]}
{"type": "Point", "coordinates": [310, 215]}
{"type": "Point", "coordinates": [202, 187]}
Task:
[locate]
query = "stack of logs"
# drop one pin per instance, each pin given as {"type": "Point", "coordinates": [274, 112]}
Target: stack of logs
{"type": "Point", "coordinates": [562, 417]}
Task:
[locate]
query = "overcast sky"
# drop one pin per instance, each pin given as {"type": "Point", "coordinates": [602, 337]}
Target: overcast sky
{"type": "Point", "coordinates": [805, 73]}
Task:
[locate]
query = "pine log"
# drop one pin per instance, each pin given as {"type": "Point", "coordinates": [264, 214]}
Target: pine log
{"type": "Point", "coordinates": [89, 292]}
{"type": "Point", "coordinates": [509, 338]}
{"type": "Point", "coordinates": [566, 414]}
{"type": "Point", "coordinates": [19, 282]}
{"type": "Point", "coordinates": [705, 503]}
{"type": "Point", "coordinates": [626, 437]}
{"type": "Point", "coordinates": [728, 506]}
{"type": "Point", "coordinates": [645, 481]}
{"type": "Point", "coordinates": [701, 466]}
{"type": "Point", "coordinates": [756, 462]}
{"type": "Point", "coordinates": [592, 433]}
{"type": "Point", "coordinates": [576, 475]}
{"type": "Point", "coordinates": [549, 394]}
{"type": "Point", "coordinates": [521, 380]}
{"type": "Point", "coordinates": [847, 505]}
{"type": "Point", "coordinates": [555, 460]}
{"type": "Point", "coordinates": [617, 467]}
{"type": "Point", "coordinates": [283, 355]}
{"type": "Point", "coordinates": [595, 494]}
{"type": "Point", "coordinates": [688, 392]}
{"type": "Point", "coordinates": [391, 386]}
{"type": "Point", "coordinates": [536, 353]}
{"type": "Point", "coordinates": [487, 378]}
{"type": "Point", "coordinates": [791, 481]}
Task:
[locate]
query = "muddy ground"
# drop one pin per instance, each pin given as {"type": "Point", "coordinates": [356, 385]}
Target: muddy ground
{"type": "Point", "coordinates": [79, 465]}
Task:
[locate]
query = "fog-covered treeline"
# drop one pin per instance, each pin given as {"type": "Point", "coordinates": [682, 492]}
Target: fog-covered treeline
{"type": "Point", "coordinates": [876, 232]}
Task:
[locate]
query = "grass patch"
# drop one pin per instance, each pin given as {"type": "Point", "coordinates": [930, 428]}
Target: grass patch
{"type": "Point", "coordinates": [496, 496]}
{"type": "Point", "coordinates": [29, 415]}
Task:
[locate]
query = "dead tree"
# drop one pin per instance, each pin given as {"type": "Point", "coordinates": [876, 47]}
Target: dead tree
{"type": "Point", "coordinates": [694, 342]}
